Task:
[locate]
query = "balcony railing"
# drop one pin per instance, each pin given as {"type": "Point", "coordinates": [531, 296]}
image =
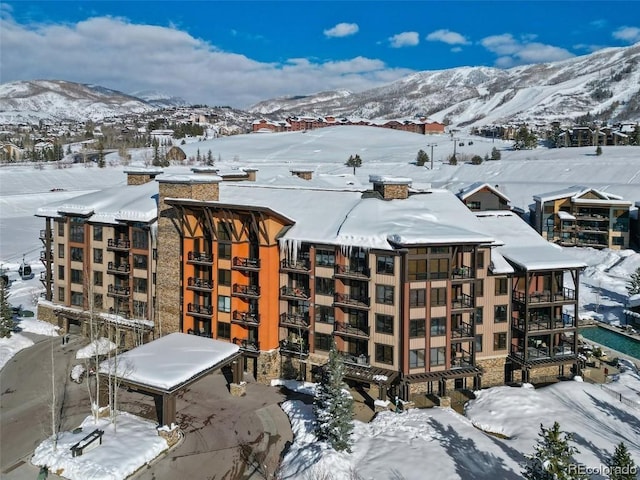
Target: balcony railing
{"type": "Point", "coordinates": [462, 360]}
{"type": "Point", "coordinates": [293, 347]}
{"type": "Point", "coordinates": [461, 273]}
{"type": "Point", "coordinates": [243, 263]}
{"type": "Point", "coordinates": [118, 244]}
{"type": "Point", "coordinates": [247, 345]}
{"type": "Point", "coordinates": [295, 293]}
{"type": "Point", "coordinates": [351, 301]}
{"type": "Point", "coordinates": [43, 235]}
{"type": "Point", "coordinates": [118, 291]}
{"type": "Point", "coordinates": [245, 318]}
{"type": "Point", "coordinates": [541, 353]}
{"type": "Point", "coordinates": [252, 291]}
{"type": "Point", "coordinates": [462, 301]}
{"type": "Point", "coordinates": [294, 320]}
{"type": "Point", "coordinates": [545, 296]}
{"type": "Point", "coordinates": [463, 330]}
{"type": "Point", "coordinates": [543, 323]}
{"type": "Point", "coordinates": [44, 257]}
{"type": "Point", "coordinates": [199, 283]}
{"type": "Point", "coordinates": [120, 268]}
{"type": "Point", "coordinates": [44, 277]}
{"type": "Point", "coordinates": [299, 265]}
{"type": "Point", "coordinates": [362, 359]}
{"type": "Point", "coordinates": [360, 331]}
{"type": "Point", "coordinates": [206, 310]}
{"type": "Point", "coordinates": [200, 333]}
{"type": "Point", "coordinates": [352, 272]}
{"type": "Point", "coordinates": [200, 257]}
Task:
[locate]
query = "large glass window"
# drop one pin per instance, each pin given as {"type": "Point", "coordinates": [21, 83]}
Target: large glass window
{"type": "Point", "coordinates": [97, 233]}
{"type": "Point", "coordinates": [97, 255]}
{"type": "Point", "coordinates": [60, 228]}
{"type": "Point", "coordinates": [416, 358]}
{"type": "Point", "coordinates": [76, 230]}
{"type": "Point", "coordinates": [438, 296]}
{"type": "Point", "coordinates": [224, 330]}
{"type": "Point", "coordinates": [140, 238]}
{"type": "Point", "coordinates": [325, 258]}
{"type": "Point", "coordinates": [438, 326]}
{"type": "Point", "coordinates": [324, 314]}
{"type": "Point", "coordinates": [384, 353]}
{"type": "Point", "coordinates": [224, 250]}
{"type": "Point", "coordinates": [224, 303]}
{"type": "Point", "coordinates": [224, 231]}
{"type": "Point", "coordinates": [77, 298]}
{"type": "Point", "coordinates": [500, 341]}
{"type": "Point", "coordinates": [224, 277]}
{"type": "Point", "coordinates": [501, 286]}
{"type": "Point", "coordinates": [384, 323]}
{"type": "Point", "coordinates": [437, 356]}
{"type": "Point", "coordinates": [417, 269]}
{"type": "Point", "coordinates": [323, 341]}
{"type": "Point", "coordinates": [61, 250]}
{"type": "Point", "coordinates": [139, 309]}
{"type": "Point", "coordinates": [77, 254]}
{"type": "Point", "coordinates": [417, 297]}
{"type": "Point", "coordinates": [478, 344]}
{"type": "Point", "coordinates": [500, 313]}
{"type": "Point", "coordinates": [417, 328]}
{"type": "Point", "coordinates": [384, 294]}
{"type": "Point", "coordinates": [439, 268]}
{"type": "Point", "coordinates": [140, 261]}
{"type": "Point", "coordinates": [97, 278]}
{"type": "Point", "coordinates": [324, 286]}
{"type": "Point", "coordinates": [140, 285]}
{"type": "Point", "coordinates": [61, 294]}
{"type": "Point", "coordinates": [384, 264]}
{"type": "Point", "coordinates": [60, 272]}
{"type": "Point", "coordinates": [76, 276]}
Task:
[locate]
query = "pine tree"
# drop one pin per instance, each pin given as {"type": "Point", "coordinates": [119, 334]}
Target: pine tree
{"type": "Point", "coordinates": [621, 465]}
{"type": "Point", "coordinates": [422, 158]}
{"type": "Point", "coordinates": [101, 163]}
{"type": "Point", "coordinates": [552, 458]}
{"type": "Point", "coordinates": [495, 154]}
{"type": "Point", "coordinates": [210, 158]}
{"type": "Point", "coordinates": [598, 150]}
{"type": "Point", "coordinates": [354, 161]}
{"type": "Point", "coordinates": [633, 285]}
{"type": "Point", "coordinates": [6, 314]}
{"type": "Point", "coordinates": [332, 406]}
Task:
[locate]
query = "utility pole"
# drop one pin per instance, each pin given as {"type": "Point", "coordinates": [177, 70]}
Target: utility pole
{"type": "Point", "coordinates": [455, 142]}
{"type": "Point", "coordinates": [432, 145]}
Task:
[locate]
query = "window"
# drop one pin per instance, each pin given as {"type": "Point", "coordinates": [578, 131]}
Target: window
{"type": "Point", "coordinates": [97, 300]}
{"type": "Point", "coordinates": [77, 254]}
{"type": "Point", "coordinates": [323, 341]}
{"type": "Point", "coordinates": [501, 286]}
{"type": "Point", "coordinates": [97, 233]}
{"type": "Point", "coordinates": [473, 205]}
{"type": "Point", "coordinates": [224, 330]}
{"type": "Point", "coordinates": [76, 232]}
{"type": "Point", "coordinates": [76, 276]}
{"type": "Point", "coordinates": [61, 294]}
{"type": "Point", "coordinates": [478, 344]}
{"type": "Point", "coordinates": [76, 298]}
{"type": "Point", "coordinates": [500, 313]}
{"type": "Point", "coordinates": [60, 272]}
{"type": "Point", "coordinates": [97, 278]}
{"type": "Point", "coordinates": [479, 288]}
{"type": "Point", "coordinates": [384, 264]}
{"type": "Point", "coordinates": [439, 250]}
{"type": "Point", "coordinates": [224, 250]}
{"type": "Point", "coordinates": [480, 260]}
{"type": "Point", "coordinates": [224, 303]}
{"type": "Point", "coordinates": [324, 314]}
{"type": "Point", "coordinates": [384, 353]}
{"type": "Point", "coordinates": [416, 358]}
{"type": "Point", "coordinates": [139, 285]}
{"type": "Point", "coordinates": [439, 268]}
{"type": "Point", "coordinates": [437, 356]}
{"type": "Point", "coordinates": [417, 297]}
{"type": "Point", "coordinates": [417, 270]}
{"type": "Point", "coordinates": [417, 328]}
{"type": "Point", "coordinates": [139, 309]}
{"type": "Point", "coordinates": [500, 341]}
{"type": "Point", "coordinates": [325, 258]}
{"type": "Point", "coordinates": [97, 255]}
{"type": "Point", "coordinates": [224, 277]}
{"type": "Point", "coordinates": [438, 296]}
{"type": "Point", "coordinates": [418, 251]}
{"type": "Point", "coordinates": [384, 294]}
{"type": "Point", "coordinates": [140, 238]}
{"type": "Point", "coordinates": [324, 286]}
{"type": "Point", "coordinates": [60, 250]}
{"type": "Point", "coordinates": [140, 261]}
{"type": "Point", "coordinates": [60, 228]}
{"type": "Point", "coordinates": [438, 326]}
{"type": "Point", "coordinates": [478, 316]}
{"type": "Point", "coordinates": [384, 324]}
{"type": "Point", "coordinates": [224, 231]}
{"type": "Point", "coordinates": [617, 240]}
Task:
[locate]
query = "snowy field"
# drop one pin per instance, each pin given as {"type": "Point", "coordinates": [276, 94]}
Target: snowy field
{"type": "Point", "coordinates": [393, 446]}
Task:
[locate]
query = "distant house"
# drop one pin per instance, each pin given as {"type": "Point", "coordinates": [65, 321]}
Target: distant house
{"type": "Point", "coordinates": [482, 196]}
{"type": "Point", "coordinates": [10, 152]}
{"type": "Point", "coordinates": [176, 154]}
{"type": "Point", "coordinates": [431, 128]}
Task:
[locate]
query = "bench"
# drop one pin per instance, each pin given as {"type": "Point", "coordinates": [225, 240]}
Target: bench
{"type": "Point", "coordinates": [78, 448]}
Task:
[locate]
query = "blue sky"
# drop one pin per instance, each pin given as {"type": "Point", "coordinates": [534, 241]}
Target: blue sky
{"type": "Point", "coordinates": [238, 53]}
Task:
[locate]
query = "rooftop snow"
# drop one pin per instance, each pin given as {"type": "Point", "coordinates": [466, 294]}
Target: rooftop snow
{"type": "Point", "coordinates": [477, 186]}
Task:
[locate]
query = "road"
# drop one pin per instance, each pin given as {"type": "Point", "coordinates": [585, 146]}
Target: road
{"type": "Point", "coordinates": [226, 438]}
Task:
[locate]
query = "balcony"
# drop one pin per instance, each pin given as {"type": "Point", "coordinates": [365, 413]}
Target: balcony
{"type": "Point", "coordinates": [361, 360]}
{"type": "Point", "coordinates": [242, 263]}
{"type": "Point", "coordinates": [194, 283]}
{"type": "Point", "coordinates": [118, 244]}
{"type": "Point", "coordinates": [248, 346]}
{"type": "Point", "coordinates": [200, 258]}
{"type": "Point", "coordinates": [351, 330]}
{"type": "Point", "coordinates": [294, 320]}
{"type": "Point", "coordinates": [118, 269]}
{"type": "Point", "coordinates": [346, 300]}
{"type": "Point", "coordinates": [200, 333]}
{"type": "Point", "coordinates": [537, 353]}
{"type": "Point", "coordinates": [462, 301]}
{"type": "Point", "coordinates": [248, 291]}
{"type": "Point", "coordinates": [44, 237]}
{"type": "Point", "coordinates": [358, 272]}
{"type": "Point", "coordinates": [461, 360]}
{"type": "Point", "coordinates": [118, 291]}
{"type": "Point", "coordinates": [462, 332]}
{"type": "Point", "coordinates": [199, 310]}
{"type": "Point", "coordinates": [248, 319]}
{"type": "Point", "coordinates": [293, 348]}
{"type": "Point", "coordinates": [297, 266]}
{"type": "Point", "coordinates": [294, 293]}
{"type": "Point", "coordinates": [567, 294]}
{"type": "Point", "coordinates": [543, 323]}
{"type": "Point", "coordinates": [44, 258]}
{"type": "Point", "coordinates": [44, 277]}
{"type": "Point", "coordinates": [462, 273]}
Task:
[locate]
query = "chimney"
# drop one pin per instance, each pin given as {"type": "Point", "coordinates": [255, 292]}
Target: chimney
{"type": "Point", "coordinates": [304, 174]}
{"type": "Point", "coordinates": [251, 174]}
{"type": "Point", "coordinates": [139, 176]}
{"type": "Point", "coordinates": [391, 188]}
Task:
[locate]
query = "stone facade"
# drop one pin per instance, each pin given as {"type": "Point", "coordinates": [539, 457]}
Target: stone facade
{"type": "Point", "coordinates": [304, 174]}
{"type": "Point", "coordinates": [268, 367]}
{"type": "Point", "coordinates": [492, 371]}
{"type": "Point", "coordinates": [45, 313]}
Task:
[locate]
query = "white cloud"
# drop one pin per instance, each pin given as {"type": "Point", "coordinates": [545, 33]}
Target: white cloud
{"type": "Point", "coordinates": [447, 36]}
{"type": "Point", "coordinates": [342, 30]}
{"type": "Point", "coordinates": [121, 55]}
{"type": "Point", "coordinates": [512, 52]}
{"type": "Point", "coordinates": [405, 39]}
{"type": "Point", "coordinates": [627, 34]}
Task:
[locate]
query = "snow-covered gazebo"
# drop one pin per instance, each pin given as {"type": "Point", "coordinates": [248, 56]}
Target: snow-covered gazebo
{"type": "Point", "coordinates": [171, 363]}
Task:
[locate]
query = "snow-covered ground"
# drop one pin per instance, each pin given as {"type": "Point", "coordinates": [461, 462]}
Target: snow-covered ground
{"type": "Point", "coordinates": [437, 443]}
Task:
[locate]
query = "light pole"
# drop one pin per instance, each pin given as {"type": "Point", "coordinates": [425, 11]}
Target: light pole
{"type": "Point", "coordinates": [432, 145]}
{"type": "Point", "coordinates": [455, 142]}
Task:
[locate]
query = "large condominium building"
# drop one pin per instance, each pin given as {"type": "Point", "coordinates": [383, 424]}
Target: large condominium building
{"type": "Point", "coordinates": [583, 217]}
{"type": "Point", "coordinates": [418, 293]}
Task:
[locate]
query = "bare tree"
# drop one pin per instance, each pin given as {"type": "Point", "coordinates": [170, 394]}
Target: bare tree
{"type": "Point", "coordinates": [54, 402]}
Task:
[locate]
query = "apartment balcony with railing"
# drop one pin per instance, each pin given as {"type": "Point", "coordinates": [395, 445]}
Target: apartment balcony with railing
{"type": "Point", "coordinates": [200, 284]}
{"type": "Point", "coordinates": [542, 352]}
{"type": "Point", "coordinates": [245, 291]}
{"type": "Point", "coordinates": [462, 332]}
{"type": "Point", "coordinates": [118, 291]}
{"type": "Point", "coordinates": [200, 258]}
{"type": "Point", "coordinates": [294, 293]}
{"type": "Point", "coordinates": [46, 257]}
{"type": "Point", "coordinates": [541, 323]}
{"type": "Point", "coordinates": [294, 348]}
{"type": "Point", "coordinates": [248, 319]}
{"type": "Point", "coordinates": [247, 345]}
{"type": "Point", "coordinates": [361, 360]}
{"type": "Point", "coordinates": [118, 268]}
{"type": "Point", "coordinates": [294, 320]}
{"type": "Point", "coordinates": [118, 244]}
{"type": "Point", "coordinates": [245, 263]}
{"type": "Point", "coordinates": [300, 265]}
{"type": "Point", "coordinates": [199, 310]}
{"type": "Point", "coordinates": [462, 359]}
{"type": "Point", "coordinates": [351, 330]}
{"type": "Point", "coordinates": [462, 301]}
{"type": "Point", "coordinates": [44, 237]}
{"type": "Point", "coordinates": [346, 300]}
{"type": "Point", "coordinates": [462, 272]}
{"type": "Point", "coordinates": [358, 272]}
{"type": "Point", "coordinates": [545, 296]}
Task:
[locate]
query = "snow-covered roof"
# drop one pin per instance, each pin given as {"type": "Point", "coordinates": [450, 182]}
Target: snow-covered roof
{"type": "Point", "coordinates": [388, 179]}
{"type": "Point", "coordinates": [576, 193]}
{"type": "Point", "coordinates": [170, 361]}
{"type": "Point", "coordinates": [466, 192]}
{"type": "Point", "coordinates": [521, 245]}
{"type": "Point", "coordinates": [565, 215]}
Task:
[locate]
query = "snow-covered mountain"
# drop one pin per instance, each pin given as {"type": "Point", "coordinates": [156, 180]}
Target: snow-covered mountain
{"type": "Point", "coordinates": [31, 101]}
{"type": "Point", "coordinates": [159, 99]}
{"type": "Point", "coordinates": [605, 84]}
